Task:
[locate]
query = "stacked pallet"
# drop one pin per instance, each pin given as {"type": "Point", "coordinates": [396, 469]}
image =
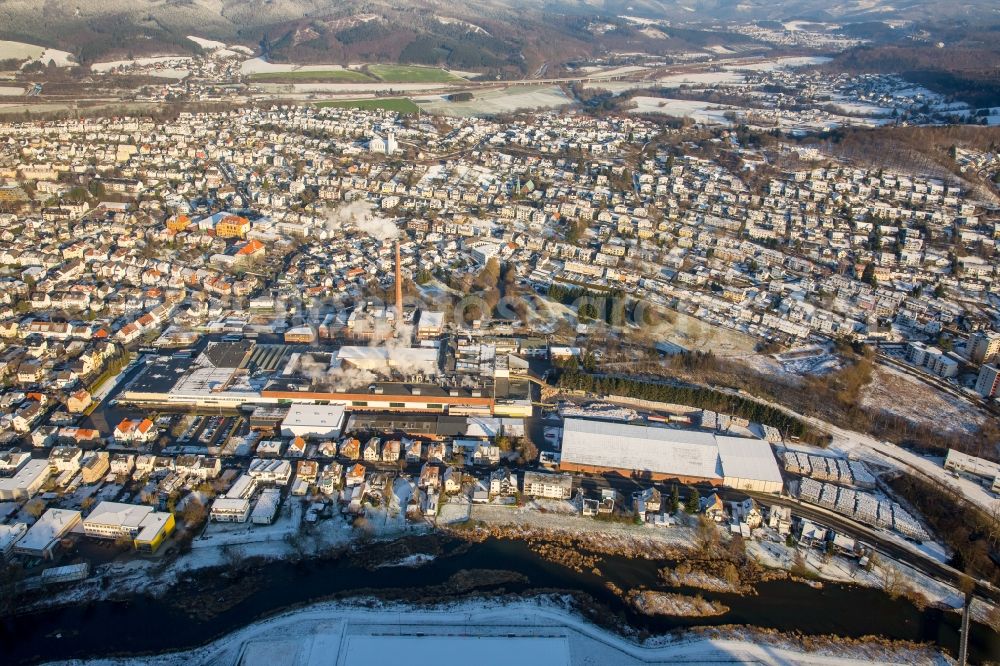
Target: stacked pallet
{"type": "Point", "coordinates": [771, 434]}
{"type": "Point", "coordinates": [843, 471]}
{"type": "Point", "coordinates": [828, 495]}
{"type": "Point", "coordinates": [863, 478]}
{"type": "Point", "coordinates": [861, 506]}
{"type": "Point", "coordinates": [809, 490]}
{"type": "Point", "coordinates": [867, 508]}
{"type": "Point", "coordinates": [906, 524]}
{"type": "Point", "coordinates": [825, 468]}
{"type": "Point", "coordinates": [846, 500]}
{"type": "Point", "coordinates": [884, 514]}
{"type": "Point", "coordinates": [797, 463]}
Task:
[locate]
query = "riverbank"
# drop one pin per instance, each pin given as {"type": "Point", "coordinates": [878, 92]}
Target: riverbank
{"type": "Point", "coordinates": [651, 602]}
{"type": "Point", "coordinates": [574, 542]}
{"type": "Point", "coordinates": [567, 539]}
{"type": "Point", "coordinates": [234, 576]}
{"type": "Point", "coordinates": [503, 632]}
{"type": "Point", "coordinates": [432, 569]}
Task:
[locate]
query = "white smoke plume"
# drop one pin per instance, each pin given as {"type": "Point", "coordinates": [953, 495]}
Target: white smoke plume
{"type": "Point", "coordinates": [364, 217]}
{"type": "Point", "coordinates": [337, 379]}
{"type": "Point", "coordinates": [342, 379]}
{"type": "Point", "coordinates": [406, 360]}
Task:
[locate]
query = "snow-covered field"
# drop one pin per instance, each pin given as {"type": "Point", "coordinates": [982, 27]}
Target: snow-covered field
{"type": "Point", "coordinates": [60, 58]}
{"type": "Point", "coordinates": [110, 65]}
{"type": "Point", "coordinates": [19, 50]}
{"type": "Point", "coordinates": [702, 79]}
{"type": "Point", "coordinates": [616, 87]}
{"type": "Point", "coordinates": [700, 112]}
{"type": "Point", "coordinates": [695, 334]}
{"type": "Point", "coordinates": [261, 66]}
{"type": "Point", "coordinates": [346, 88]}
{"type": "Point", "coordinates": [34, 53]}
{"type": "Point", "coordinates": [212, 45]}
{"type": "Point", "coordinates": [901, 394]}
{"type": "Point", "coordinates": [690, 79]}
{"type": "Point", "coordinates": [177, 73]}
{"type": "Point", "coordinates": [860, 108]}
{"type": "Point", "coordinates": [533, 631]}
{"type": "Point", "coordinates": [619, 71]}
{"type": "Point", "coordinates": [503, 100]}
{"type": "Point", "coordinates": [782, 63]}
{"type": "Point", "coordinates": [464, 75]}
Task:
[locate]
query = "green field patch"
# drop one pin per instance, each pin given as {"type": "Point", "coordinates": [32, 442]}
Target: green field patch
{"type": "Point", "coordinates": [312, 76]}
{"type": "Point", "coordinates": [412, 74]}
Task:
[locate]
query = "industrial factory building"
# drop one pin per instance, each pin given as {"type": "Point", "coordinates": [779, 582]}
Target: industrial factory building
{"type": "Point", "coordinates": [406, 360]}
{"type": "Point", "coordinates": [660, 453]}
{"type": "Point", "coordinates": [395, 379]}
{"type": "Point", "coordinates": [313, 421]}
{"type": "Point", "coordinates": [26, 482]}
{"type": "Point", "coordinates": [145, 527]}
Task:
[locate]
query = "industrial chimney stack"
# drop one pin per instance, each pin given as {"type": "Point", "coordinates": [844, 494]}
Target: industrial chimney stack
{"type": "Point", "coordinates": [399, 289]}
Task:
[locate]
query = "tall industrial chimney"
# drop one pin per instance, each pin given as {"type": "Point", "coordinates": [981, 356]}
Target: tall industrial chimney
{"type": "Point", "coordinates": [399, 289]}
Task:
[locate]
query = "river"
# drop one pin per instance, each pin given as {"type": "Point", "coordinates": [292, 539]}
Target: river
{"type": "Point", "coordinates": [186, 617]}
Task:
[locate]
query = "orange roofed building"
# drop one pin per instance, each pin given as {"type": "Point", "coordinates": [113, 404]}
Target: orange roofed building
{"type": "Point", "coordinates": [178, 222]}
{"type": "Point", "coordinates": [135, 431]}
{"type": "Point", "coordinates": [78, 402]}
{"type": "Point", "coordinates": [232, 226]}
{"type": "Point", "coordinates": [251, 249]}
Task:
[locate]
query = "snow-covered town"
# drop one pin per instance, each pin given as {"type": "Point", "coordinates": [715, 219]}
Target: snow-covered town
{"type": "Point", "coordinates": [283, 332]}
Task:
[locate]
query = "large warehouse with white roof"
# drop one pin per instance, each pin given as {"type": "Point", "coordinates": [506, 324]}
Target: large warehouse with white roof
{"type": "Point", "coordinates": [658, 453]}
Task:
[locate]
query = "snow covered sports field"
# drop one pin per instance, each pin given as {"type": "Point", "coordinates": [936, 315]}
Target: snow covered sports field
{"type": "Point", "coordinates": [487, 633]}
